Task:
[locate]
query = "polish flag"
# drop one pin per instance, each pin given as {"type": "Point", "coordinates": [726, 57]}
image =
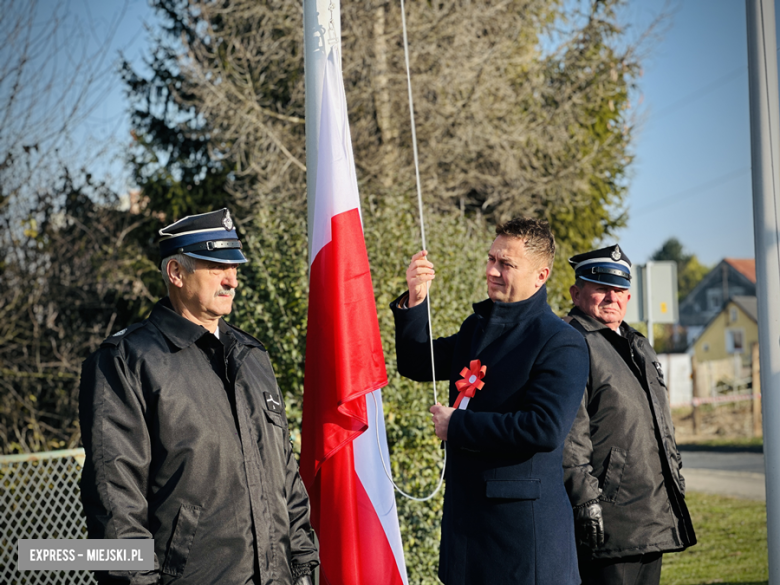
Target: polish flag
{"type": "Point", "coordinates": [352, 502]}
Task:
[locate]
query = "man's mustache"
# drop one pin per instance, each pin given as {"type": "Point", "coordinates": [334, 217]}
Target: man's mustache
{"type": "Point", "coordinates": [226, 292]}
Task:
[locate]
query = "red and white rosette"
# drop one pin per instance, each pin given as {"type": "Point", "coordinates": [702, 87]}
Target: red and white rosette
{"type": "Point", "coordinates": [471, 382]}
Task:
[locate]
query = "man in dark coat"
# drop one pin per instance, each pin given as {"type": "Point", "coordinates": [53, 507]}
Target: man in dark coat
{"type": "Point", "coordinates": [622, 467]}
{"type": "Point", "coordinates": [185, 432]}
{"type": "Point", "coordinates": [517, 373]}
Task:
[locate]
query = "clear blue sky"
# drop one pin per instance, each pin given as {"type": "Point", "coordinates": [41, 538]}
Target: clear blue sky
{"type": "Point", "coordinates": [128, 17]}
{"type": "Point", "coordinates": [691, 175]}
{"type": "Point", "coordinates": [105, 132]}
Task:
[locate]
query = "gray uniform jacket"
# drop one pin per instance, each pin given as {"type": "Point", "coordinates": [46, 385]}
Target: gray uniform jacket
{"type": "Point", "coordinates": [187, 442]}
{"type": "Point", "coordinates": [621, 448]}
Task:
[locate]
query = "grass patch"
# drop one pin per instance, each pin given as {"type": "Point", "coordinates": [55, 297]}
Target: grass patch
{"type": "Point", "coordinates": [730, 442]}
{"type": "Point", "coordinates": [732, 544]}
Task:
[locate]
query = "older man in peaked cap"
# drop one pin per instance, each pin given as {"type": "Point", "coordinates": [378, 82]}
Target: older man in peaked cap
{"type": "Point", "coordinates": [185, 432]}
{"type": "Point", "coordinates": [621, 464]}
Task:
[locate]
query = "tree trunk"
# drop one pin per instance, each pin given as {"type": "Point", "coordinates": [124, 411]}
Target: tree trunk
{"type": "Point", "coordinates": [388, 131]}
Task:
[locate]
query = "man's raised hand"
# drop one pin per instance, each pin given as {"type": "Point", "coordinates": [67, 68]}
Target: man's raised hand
{"type": "Point", "coordinates": [418, 275]}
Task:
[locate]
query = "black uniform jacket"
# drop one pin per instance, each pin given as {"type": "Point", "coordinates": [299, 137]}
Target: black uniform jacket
{"type": "Point", "coordinates": [186, 442]}
{"type": "Point", "coordinates": [506, 517]}
{"type": "Point", "coordinates": [621, 449]}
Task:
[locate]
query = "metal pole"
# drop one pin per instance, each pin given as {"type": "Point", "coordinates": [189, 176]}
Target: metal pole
{"type": "Point", "coordinates": [321, 25]}
{"type": "Point", "coordinates": [321, 29]}
{"type": "Point", "coordinates": [765, 150]}
{"type": "Point", "coordinates": [756, 388]}
{"type": "Point", "coordinates": [649, 302]}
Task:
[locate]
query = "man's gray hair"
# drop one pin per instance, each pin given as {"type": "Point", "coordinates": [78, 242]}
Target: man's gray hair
{"type": "Point", "coordinates": [186, 262]}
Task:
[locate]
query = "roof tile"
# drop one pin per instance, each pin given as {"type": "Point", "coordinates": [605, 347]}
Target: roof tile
{"type": "Point", "coordinates": [745, 266]}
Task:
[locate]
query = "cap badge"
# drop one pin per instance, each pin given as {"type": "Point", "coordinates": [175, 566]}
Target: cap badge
{"type": "Point", "coordinates": [227, 221]}
{"type": "Point", "coordinates": [616, 255]}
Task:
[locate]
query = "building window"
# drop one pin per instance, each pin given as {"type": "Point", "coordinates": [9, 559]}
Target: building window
{"type": "Point", "coordinates": [714, 299]}
{"type": "Point", "coordinates": [733, 314]}
{"type": "Point", "coordinates": [706, 347]}
{"type": "Point", "coordinates": [735, 340]}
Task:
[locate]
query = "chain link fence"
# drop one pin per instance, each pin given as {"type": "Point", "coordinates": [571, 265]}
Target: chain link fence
{"type": "Point", "coordinates": [39, 498]}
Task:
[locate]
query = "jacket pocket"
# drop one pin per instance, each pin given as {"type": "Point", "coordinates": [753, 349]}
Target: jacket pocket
{"type": "Point", "coordinates": [614, 475]}
{"type": "Point", "coordinates": [181, 541]}
{"type": "Point", "coordinates": [514, 489]}
{"type": "Point", "coordinates": [274, 418]}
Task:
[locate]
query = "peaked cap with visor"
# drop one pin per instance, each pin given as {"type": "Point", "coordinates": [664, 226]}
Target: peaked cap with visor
{"type": "Point", "coordinates": [608, 266]}
{"type": "Point", "coordinates": [207, 236]}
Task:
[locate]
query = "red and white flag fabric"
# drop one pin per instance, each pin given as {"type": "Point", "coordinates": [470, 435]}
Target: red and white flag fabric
{"type": "Point", "coordinates": [352, 502]}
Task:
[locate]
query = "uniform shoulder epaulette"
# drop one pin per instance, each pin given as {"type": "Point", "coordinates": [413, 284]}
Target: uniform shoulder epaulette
{"type": "Point", "coordinates": [117, 337]}
{"type": "Point", "coordinates": [246, 337]}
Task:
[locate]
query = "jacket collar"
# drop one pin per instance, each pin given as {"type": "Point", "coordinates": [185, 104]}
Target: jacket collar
{"type": "Point", "coordinates": [240, 336]}
{"type": "Point", "coordinates": [183, 332]}
{"type": "Point", "coordinates": [590, 324]}
{"type": "Point", "coordinates": [179, 331]}
{"type": "Point", "coordinates": [498, 312]}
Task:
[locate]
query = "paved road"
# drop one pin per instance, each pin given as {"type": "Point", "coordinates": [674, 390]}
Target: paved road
{"type": "Point", "coordinates": [738, 474]}
{"type": "Point", "coordinates": [741, 461]}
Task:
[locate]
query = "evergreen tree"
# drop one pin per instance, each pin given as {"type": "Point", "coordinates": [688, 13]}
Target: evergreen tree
{"type": "Point", "coordinates": [170, 157]}
{"type": "Point", "coordinates": [504, 127]}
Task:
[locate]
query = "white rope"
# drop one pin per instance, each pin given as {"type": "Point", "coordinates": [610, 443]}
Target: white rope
{"type": "Point", "coordinates": [387, 471]}
{"type": "Point", "coordinates": [427, 284]}
{"type": "Point", "coordinates": [419, 191]}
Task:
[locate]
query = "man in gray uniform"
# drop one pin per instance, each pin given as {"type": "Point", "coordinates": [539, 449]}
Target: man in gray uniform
{"type": "Point", "coordinates": [185, 432]}
{"type": "Point", "coordinates": [621, 464]}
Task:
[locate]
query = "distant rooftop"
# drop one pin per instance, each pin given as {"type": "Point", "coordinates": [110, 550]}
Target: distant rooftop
{"type": "Point", "coordinates": [746, 267]}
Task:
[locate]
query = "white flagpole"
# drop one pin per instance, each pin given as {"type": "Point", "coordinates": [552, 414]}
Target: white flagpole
{"type": "Point", "coordinates": [765, 150]}
{"type": "Point", "coordinates": [321, 30]}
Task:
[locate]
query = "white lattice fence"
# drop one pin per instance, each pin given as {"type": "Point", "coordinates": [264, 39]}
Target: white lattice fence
{"type": "Point", "coordinates": [39, 498]}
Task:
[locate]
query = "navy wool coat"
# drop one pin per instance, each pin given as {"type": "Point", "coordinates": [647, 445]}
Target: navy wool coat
{"type": "Point", "coordinates": [507, 517]}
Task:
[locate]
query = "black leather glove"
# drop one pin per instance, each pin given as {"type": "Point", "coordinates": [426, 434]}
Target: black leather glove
{"type": "Point", "coordinates": [302, 573]}
{"type": "Point", "coordinates": [589, 525]}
